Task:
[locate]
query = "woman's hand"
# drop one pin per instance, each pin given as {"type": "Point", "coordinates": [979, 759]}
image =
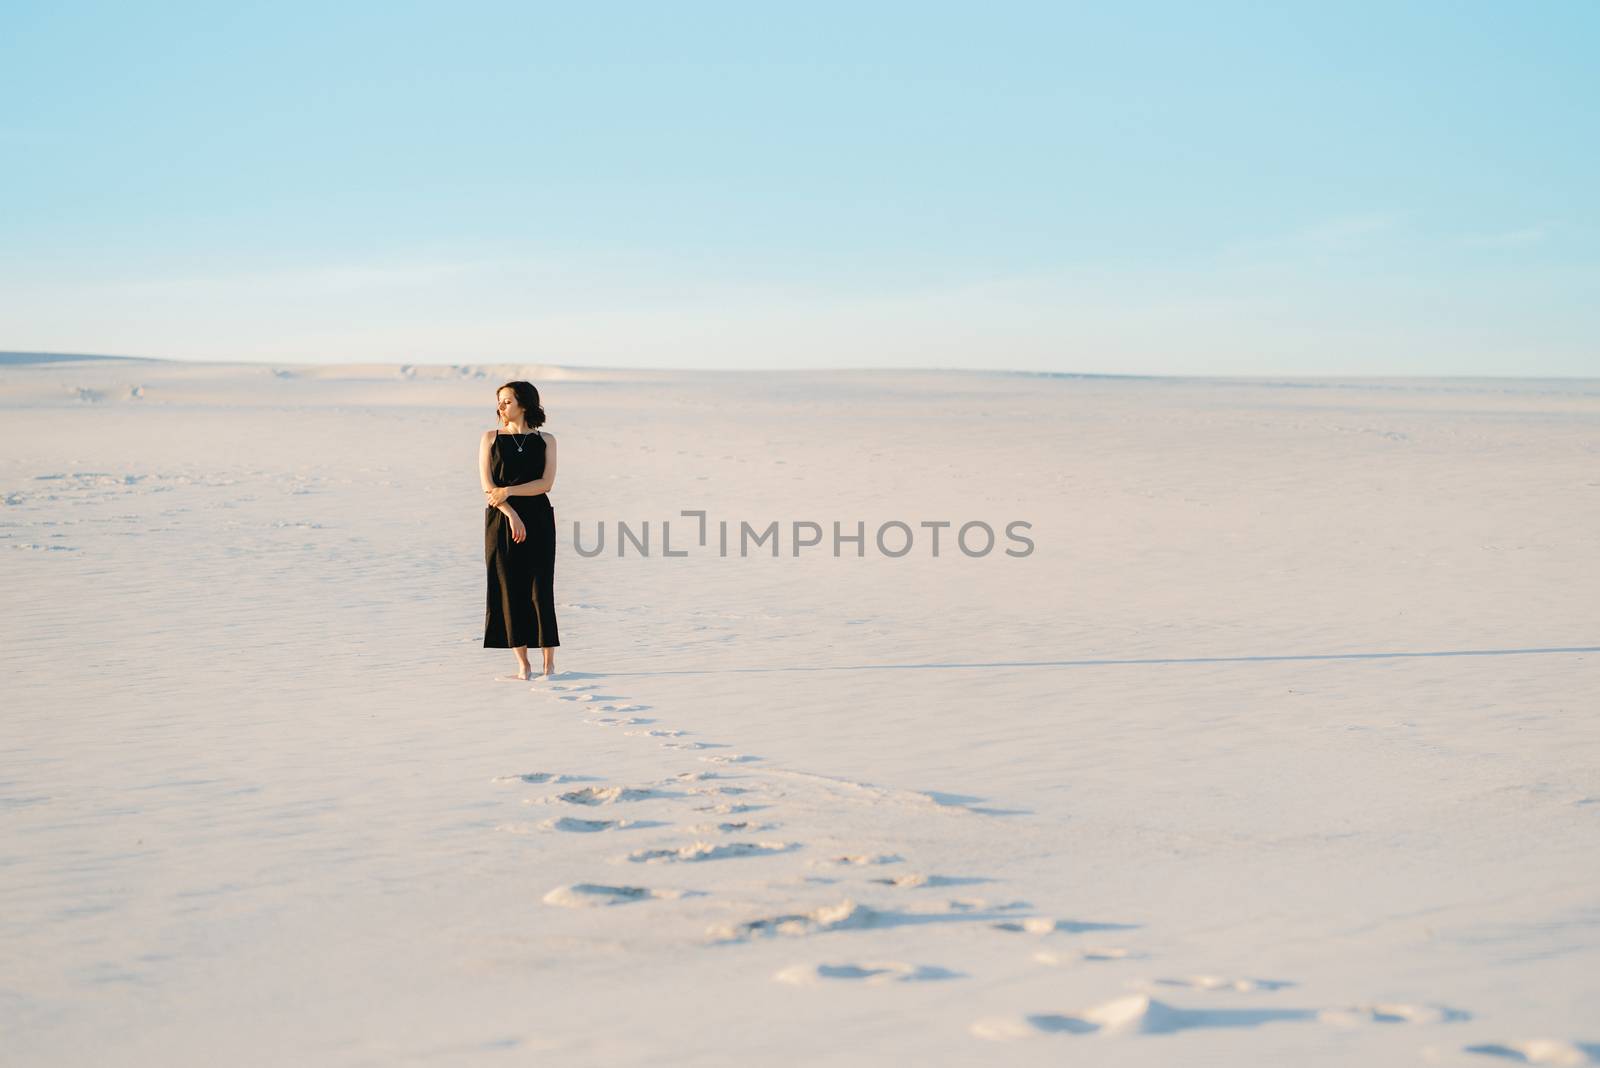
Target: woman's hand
{"type": "Point", "coordinates": [518, 531]}
{"type": "Point", "coordinates": [498, 495]}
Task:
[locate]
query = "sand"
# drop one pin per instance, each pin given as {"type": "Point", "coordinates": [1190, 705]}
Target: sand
{"type": "Point", "coordinates": [1280, 746]}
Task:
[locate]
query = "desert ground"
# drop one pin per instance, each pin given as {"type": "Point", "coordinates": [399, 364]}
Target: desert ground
{"type": "Point", "coordinates": [1279, 745]}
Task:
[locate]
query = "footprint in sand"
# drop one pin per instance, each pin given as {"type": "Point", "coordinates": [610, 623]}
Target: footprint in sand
{"type": "Point", "coordinates": [1136, 1014]}
{"type": "Point", "coordinates": [697, 851]}
{"type": "Point", "coordinates": [573, 824]}
{"type": "Point", "coordinates": [1542, 1051]}
{"type": "Point", "coordinates": [1140, 1014]}
{"type": "Point", "coordinates": [914, 880]}
{"type": "Point", "coordinates": [1042, 925]}
{"type": "Point", "coordinates": [541, 777]}
{"type": "Point", "coordinates": [868, 793]}
{"type": "Point", "coordinates": [1390, 1013]}
{"type": "Point", "coordinates": [730, 758]}
{"type": "Point", "coordinates": [860, 860]}
{"type": "Point", "coordinates": [723, 791]}
{"type": "Point", "coordinates": [730, 808]}
{"type": "Point", "coordinates": [891, 971]}
{"type": "Point", "coordinates": [590, 895]}
{"type": "Point", "coordinates": [732, 827]}
{"type": "Point", "coordinates": [1058, 958]}
{"type": "Point", "coordinates": [605, 795]}
{"type": "Point", "coordinates": [1219, 982]}
{"type": "Point", "coordinates": [693, 745]}
{"type": "Point", "coordinates": [954, 906]}
{"type": "Point", "coordinates": [846, 915]}
{"type": "Point", "coordinates": [654, 732]}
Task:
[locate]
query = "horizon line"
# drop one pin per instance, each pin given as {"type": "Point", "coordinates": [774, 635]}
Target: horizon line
{"type": "Point", "coordinates": [12, 358]}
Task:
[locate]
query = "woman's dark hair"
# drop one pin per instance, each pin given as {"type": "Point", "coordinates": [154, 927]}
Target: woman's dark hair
{"type": "Point", "coordinates": [528, 397]}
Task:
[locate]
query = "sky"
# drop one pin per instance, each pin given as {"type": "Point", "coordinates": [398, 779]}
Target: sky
{"type": "Point", "coordinates": [1141, 188]}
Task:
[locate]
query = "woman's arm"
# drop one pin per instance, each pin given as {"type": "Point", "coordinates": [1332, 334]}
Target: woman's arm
{"type": "Point", "coordinates": [484, 444]}
{"type": "Point", "coordinates": [543, 483]}
{"type": "Point", "coordinates": [484, 479]}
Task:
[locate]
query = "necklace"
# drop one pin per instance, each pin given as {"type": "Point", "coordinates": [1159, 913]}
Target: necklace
{"type": "Point", "coordinates": [519, 442]}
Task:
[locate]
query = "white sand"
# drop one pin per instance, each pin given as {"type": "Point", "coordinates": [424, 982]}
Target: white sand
{"type": "Point", "coordinates": [1159, 793]}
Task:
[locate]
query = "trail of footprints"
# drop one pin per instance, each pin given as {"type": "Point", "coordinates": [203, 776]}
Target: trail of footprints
{"type": "Point", "coordinates": [709, 791]}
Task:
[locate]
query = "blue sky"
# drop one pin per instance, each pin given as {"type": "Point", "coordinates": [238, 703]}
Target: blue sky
{"type": "Point", "coordinates": [1141, 188]}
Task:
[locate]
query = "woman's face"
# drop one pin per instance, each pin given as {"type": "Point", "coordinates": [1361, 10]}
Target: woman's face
{"type": "Point", "coordinates": [510, 410]}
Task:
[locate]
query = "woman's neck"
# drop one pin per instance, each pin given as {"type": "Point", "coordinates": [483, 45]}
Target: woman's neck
{"type": "Point", "coordinates": [519, 428]}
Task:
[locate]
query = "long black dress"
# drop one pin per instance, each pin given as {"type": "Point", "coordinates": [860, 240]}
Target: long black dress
{"type": "Point", "coordinates": [522, 608]}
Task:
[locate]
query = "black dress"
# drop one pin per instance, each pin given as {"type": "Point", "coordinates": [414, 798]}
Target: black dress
{"type": "Point", "coordinates": [522, 609]}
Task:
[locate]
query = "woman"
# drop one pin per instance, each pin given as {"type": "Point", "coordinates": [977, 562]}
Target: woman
{"type": "Point", "coordinates": [517, 467]}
